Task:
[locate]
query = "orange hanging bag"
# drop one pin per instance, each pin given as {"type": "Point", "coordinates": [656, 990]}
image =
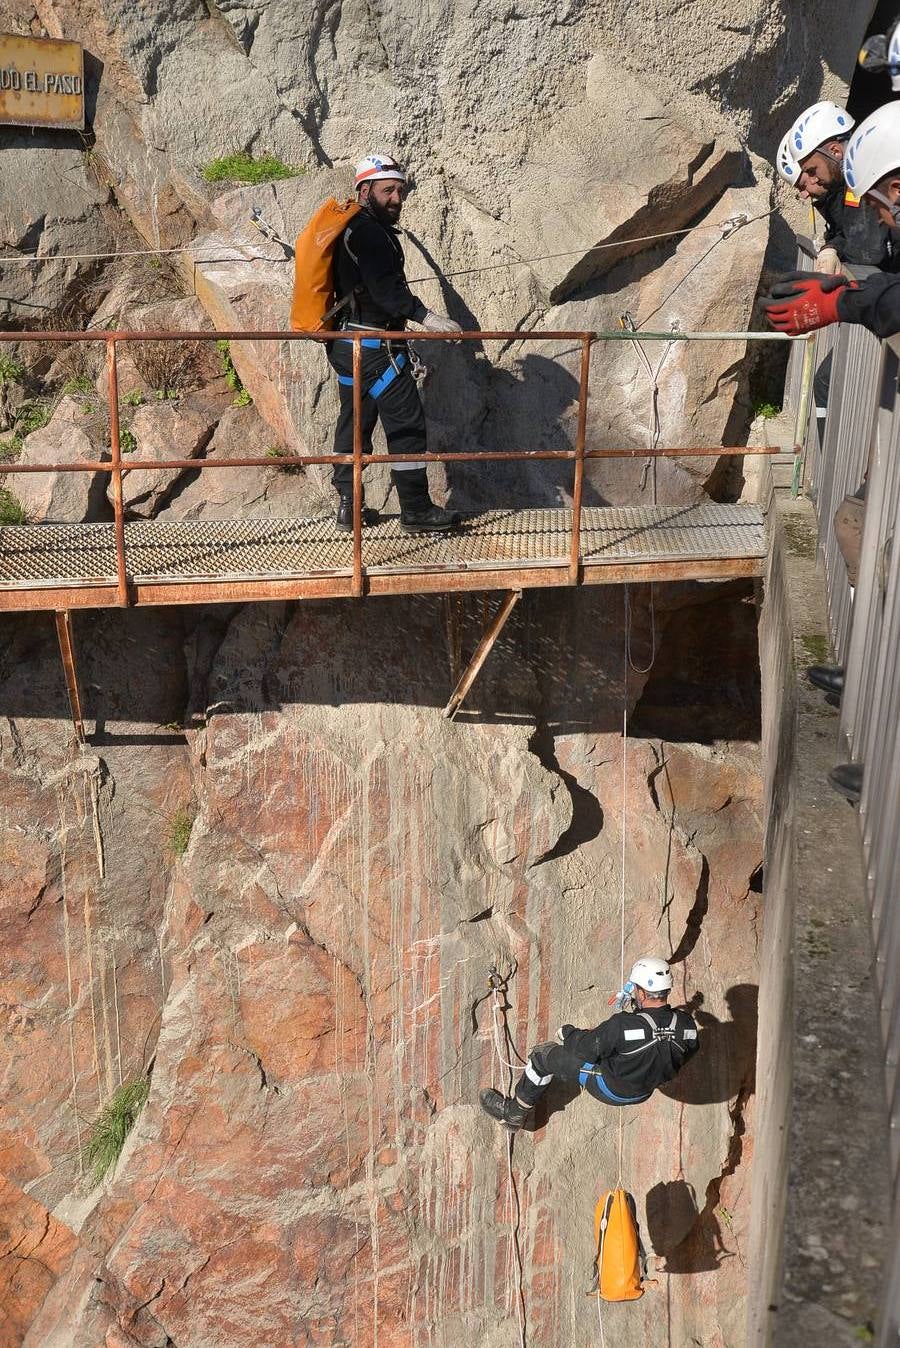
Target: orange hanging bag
{"type": "Point", "coordinates": [620, 1256]}
{"type": "Point", "coordinates": [313, 300]}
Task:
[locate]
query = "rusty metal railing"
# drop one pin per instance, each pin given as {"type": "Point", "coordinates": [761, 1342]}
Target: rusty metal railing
{"type": "Point", "coordinates": [117, 470]}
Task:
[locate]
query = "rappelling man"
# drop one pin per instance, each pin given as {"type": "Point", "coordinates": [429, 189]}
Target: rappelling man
{"type": "Point", "coordinates": [621, 1062]}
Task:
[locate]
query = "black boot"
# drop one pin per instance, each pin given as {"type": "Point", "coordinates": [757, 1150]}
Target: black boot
{"type": "Point", "coordinates": [344, 517]}
{"type": "Point", "coordinates": [847, 778]}
{"type": "Point", "coordinates": [433, 519]}
{"type": "Point", "coordinates": [505, 1108]}
{"type": "Point", "coordinates": [830, 678]}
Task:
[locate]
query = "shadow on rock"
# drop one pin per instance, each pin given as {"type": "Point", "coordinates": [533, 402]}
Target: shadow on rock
{"type": "Point", "coordinates": [688, 1238]}
{"type": "Point", "coordinates": [556, 1097]}
{"type": "Point", "coordinates": [726, 1063]}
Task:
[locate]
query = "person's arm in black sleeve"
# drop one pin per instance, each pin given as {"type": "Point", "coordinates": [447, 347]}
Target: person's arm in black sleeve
{"type": "Point", "coordinates": [591, 1045]}
{"type": "Point", "coordinates": [384, 280]}
{"type": "Point", "coordinates": [874, 302]}
{"type": "Point", "coordinates": [691, 1045]}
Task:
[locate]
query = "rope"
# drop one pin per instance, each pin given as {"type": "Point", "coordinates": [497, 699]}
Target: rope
{"type": "Point", "coordinates": [725, 227]}
{"type": "Point", "coordinates": [624, 831]}
{"type": "Point", "coordinates": [640, 669]}
{"type": "Point", "coordinates": [498, 1012]}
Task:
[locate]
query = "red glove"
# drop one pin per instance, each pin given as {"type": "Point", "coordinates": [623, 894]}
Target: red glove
{"type": "Point", "coordinates": [804, 300]}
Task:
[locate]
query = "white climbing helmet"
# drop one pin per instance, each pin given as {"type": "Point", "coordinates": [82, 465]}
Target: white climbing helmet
{"type": "Point", "coordinates": [874, 149]}
{"type": "Point", "coordinates": [652, 974]}
{"type": "Point", "coordinates": [821, 122]}
{"type": "Point", "coordinates": [377, 168]}
{"type": "Point", "coordinates": [882, 52]}
{"type": "Point", "coordinates": [786, 164]}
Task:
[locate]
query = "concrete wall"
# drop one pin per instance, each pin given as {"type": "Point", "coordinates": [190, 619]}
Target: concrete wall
{"type": "Point", "coordinates": [821, 1177]}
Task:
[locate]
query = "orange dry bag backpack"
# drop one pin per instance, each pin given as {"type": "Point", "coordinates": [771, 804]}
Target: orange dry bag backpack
{"type": "Point", "coordinates": [620, 1256]}
{"type": "Point", "coordinates": [313, 300]}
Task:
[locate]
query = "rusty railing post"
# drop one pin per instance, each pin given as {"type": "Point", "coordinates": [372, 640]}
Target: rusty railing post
{"type": "Point", "coordinates": [482, 651]}
{"type": "Point", "coordinates": [580, 435]}
{"type": "Point", "coordinates": [67, 651]}
{"type": "Point", "coordinates": [357, 588]}
{"type": "Point", "coordinates": [112, 377]}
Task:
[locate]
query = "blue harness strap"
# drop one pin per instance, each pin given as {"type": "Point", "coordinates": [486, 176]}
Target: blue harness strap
{"type": "Point", "coordinates": [383, 381]}
{"type": "Point", "coordinates": [589, 1070]}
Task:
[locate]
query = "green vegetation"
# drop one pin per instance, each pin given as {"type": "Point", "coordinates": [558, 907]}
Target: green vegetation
{"type": "Point", "coordinates": [800, 537]}
{"type": "Point", "coordinates": [231, 376]}
{"type": "Point", "coordinates": [766, 410]}
{"type": "Point", "coordinates": [865, 1333]}
{"type": "Point", "coordinates": [241, 397]}
{"type": "Point", "coordinates": [11, 509]}
{"type": "Point", "coordinates": [276, 452]}
{"type": "Point", "coordinates": [11, 370]}
{"type": "Point", "coordinates": [815, 649]}
{"type": "Point", "coordinates": [31, 416]}
{"type": "Point", "coordinates": [78, 386]}
{"type": "Point", "coordinates": [127, 442]}
{"type": "Point", "coordinates": [180, 831]}
{"type": "Point", "coordinates": [134, 399]}
{"type": "Point", "coordinates": [115, 1121]}
{"type": "Point", "coordinates": [243, 168]}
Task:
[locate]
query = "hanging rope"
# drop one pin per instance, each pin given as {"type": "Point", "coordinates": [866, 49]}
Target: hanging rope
{"type": "Point", "coordinates": [622, 881]}
{"type": "Point", "coordinates": [501, 1036]}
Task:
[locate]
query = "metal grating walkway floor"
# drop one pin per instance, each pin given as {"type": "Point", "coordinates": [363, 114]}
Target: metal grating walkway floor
{"type": "Point", "coordinates": [43, 566]}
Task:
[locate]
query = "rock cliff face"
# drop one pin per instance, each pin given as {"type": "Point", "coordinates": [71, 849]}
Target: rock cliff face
{"type": "Point", "coordinates": [304, 976]}
{"type": "Point", "coordinates": [308, 983]}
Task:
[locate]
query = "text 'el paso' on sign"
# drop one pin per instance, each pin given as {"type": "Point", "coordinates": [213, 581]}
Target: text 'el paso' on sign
{"type": "Point", "coordinates": [41, 82]}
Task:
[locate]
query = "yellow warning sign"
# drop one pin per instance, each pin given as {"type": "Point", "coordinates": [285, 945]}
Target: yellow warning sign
{"type": "Point", "coordinates": [41, 82]}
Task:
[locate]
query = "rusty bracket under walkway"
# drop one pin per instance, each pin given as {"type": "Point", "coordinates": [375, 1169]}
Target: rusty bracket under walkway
{"type": "Point", "coordinates": [67, 651]}
{"type": "Point", "coordinates": [482, 651]}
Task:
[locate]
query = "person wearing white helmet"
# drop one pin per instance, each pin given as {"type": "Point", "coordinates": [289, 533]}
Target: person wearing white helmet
{"type": "Point", "coordinates": [803, 301]}
{"type": "Point", "coordinates": [811, 159]}
{"type": "Point", "coordinates": [620, 1062]}
{"type": "Point", "coordinates": [369, 274]}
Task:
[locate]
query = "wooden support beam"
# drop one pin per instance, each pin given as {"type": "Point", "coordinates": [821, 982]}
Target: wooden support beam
{"type": "Point", "coordinates": [482, 651]}
{"type": "Point", "coordinates": [67, 651]}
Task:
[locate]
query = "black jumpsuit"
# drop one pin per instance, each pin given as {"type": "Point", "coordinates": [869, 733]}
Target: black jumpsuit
{"type": "Point", "coordinates": [369, 267]}
{"type": "Point", "coordinates": [620, 1062]}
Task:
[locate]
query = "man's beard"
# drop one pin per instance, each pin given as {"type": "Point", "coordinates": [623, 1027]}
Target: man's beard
{"type": "Point", "coordinates": [386, 215]}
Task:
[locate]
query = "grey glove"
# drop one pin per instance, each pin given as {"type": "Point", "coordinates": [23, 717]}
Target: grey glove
{"type": "Point", "coordinates": [433, 322]}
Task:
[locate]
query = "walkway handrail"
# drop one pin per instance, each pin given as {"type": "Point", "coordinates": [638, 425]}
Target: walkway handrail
{"type": "Point", "coordinates": [117, 470]}
{"type": "Point", "coordinates": [862, 438]}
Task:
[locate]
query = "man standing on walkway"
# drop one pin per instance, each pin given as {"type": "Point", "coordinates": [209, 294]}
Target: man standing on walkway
{"type": "Point", "coordinates": [621, 1062]}
{"type": "Point", "coordinates": [369, 270]}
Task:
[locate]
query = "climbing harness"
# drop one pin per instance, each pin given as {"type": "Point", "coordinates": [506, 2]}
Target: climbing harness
{"type": "Point", "coordinates": [383, 381]}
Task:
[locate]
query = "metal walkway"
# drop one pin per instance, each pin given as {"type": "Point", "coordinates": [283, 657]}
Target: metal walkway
{"type": "Point", "coordinates": [208, 561]}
